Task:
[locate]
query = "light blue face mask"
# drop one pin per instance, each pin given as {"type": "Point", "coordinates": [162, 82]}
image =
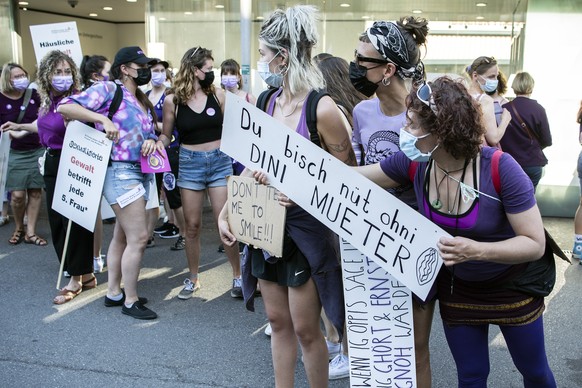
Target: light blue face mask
{"type": "Point", "coordinates": [408, 146]}
{"type": "Point", "coordinates": [490, 85]}
{"type": "Point", "coordinates": [271, 79]}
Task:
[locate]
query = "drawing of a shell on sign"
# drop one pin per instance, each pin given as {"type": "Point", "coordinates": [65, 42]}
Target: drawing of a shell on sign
{"type": "Point", "coordinates": [426, 266]}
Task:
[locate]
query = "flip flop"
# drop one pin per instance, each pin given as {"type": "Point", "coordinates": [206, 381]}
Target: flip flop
{"type": "Point", "coordinates": [65, 295]}
{"type": "Point", "coordinates": [17, 237]}
{"type": "Point", "coordinates": [35, 240]}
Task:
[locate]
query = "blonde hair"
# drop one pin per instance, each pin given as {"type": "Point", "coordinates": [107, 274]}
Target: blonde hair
{"type": "Point", "coordinates": [185, 80]}
{"type": "Point", "coordinates": [46, 68]}
{"type": "Point", "coordinates": [523, 83]}
{"type": "Point", "coordinates": [5, 84]}
{"type": "Point", "coordinates": [295, 30]}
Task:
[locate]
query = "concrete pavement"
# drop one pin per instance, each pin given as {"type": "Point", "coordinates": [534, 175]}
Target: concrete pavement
{"type": "Point", "coordinates": [210, 340]}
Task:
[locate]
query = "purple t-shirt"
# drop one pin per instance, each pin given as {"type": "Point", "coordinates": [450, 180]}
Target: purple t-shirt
{"type": "Point", "coordinates": [51, 126]}
{"type": "Point", "coordinates": [134, 125]}
{"type": "Point", "coordinates": [379, 136]}
{"type": "Point", "coordinates": [491, 223]}
{"type": "Point", "coordinates": [9, 111]}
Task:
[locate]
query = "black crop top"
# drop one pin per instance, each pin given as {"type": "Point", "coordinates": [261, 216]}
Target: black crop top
{"type": "Point", "coordinates": [199, 128]}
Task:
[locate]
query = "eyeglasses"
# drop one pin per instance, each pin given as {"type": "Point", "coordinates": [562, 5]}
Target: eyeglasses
{"type": "Point", "coordinates": [424, 94]}
{"type": "Point", "coordinates": [360, 58]}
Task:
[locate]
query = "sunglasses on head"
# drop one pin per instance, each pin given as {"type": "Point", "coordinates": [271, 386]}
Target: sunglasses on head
{"type": "Point", "coordinates": [360, 58]}
{"type": "Point", "coordinates": [424, 94]}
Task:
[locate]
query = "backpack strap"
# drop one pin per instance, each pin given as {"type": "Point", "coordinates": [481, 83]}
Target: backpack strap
{"type": "Point", "coordinates": [264, 97]}
{"type": "Point", "coordinates": [495, 170]}
{"type": "Point", "coordinates": [27, 96]}
{"type": "Point", "coordinates": [412, 167]}
{"type": "Point", "coordinates": [116, 102]}
{"type": "Point", "coordinates": [311, 114]}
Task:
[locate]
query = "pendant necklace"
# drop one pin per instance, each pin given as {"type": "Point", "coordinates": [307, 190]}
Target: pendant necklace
{"type": "Point", "coordinates": [294, 108]}
{"type": "Point", "coordinates": [437, 204]}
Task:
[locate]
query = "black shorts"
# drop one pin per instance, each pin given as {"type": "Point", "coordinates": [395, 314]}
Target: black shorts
{"type": "Point", "coordinates": [292, 270]}
{"type": "Point", "coordinates": [173, 196]}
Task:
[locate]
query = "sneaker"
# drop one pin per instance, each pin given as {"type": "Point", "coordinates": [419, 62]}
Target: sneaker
{"type": "Point", "coordinates": [577, 251]}
{"type": "Point", "coordinates": [339, 367]}
{"type": "Point", "coordinates": [221, 248]}
{"type": "Point", "coordinates": [333, 349]}
{"type": "Point", "coordinates": [66, 274]}
{"type": "Point", "coordinates": [236, 290]}
{"type": "Point", "coordinates": [98, 264]}
{"type": "Point", "coordinates": [4, 220]}
{"type": "Point", "coordinates": [173, 232]}
{"type": "Point", "coordinates": [179, 245]}
{"type": "Point", "coordinates": [164, 228]}
{"type": "Point", "coordinates": [268, 330]}
{"type": "Point", "coordinates": [189, 289]}
{"type": "Point", "coordinates": [112, 303]}
{"type": "Point", "coordinates": [151, 243]}
{"type": "Point", "coordinates": [138, 311]}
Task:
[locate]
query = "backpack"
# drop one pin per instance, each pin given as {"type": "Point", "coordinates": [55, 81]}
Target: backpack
{"type": "Point", "coordinates": [311, 113]}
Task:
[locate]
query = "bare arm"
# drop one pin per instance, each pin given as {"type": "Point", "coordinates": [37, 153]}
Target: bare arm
{"type": "Point", "coordinates": [168, 120]}
{"type": "Point", "coordinates": [28, 127]}
{"type": "Point", "coordinates": [78, 112]}
{"type": "Point", "coordinates": [334, 131]}
{"type": "Point", "coordinates": [493, 132]}
{"type": "Point", "coordinates": [529, 238]}
{"type": "Point", "coordinates": [375, 173]}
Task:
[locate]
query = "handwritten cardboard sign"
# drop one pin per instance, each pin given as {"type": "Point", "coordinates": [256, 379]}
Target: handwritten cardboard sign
{"type": "Point", "coordinates": [81, 174]}
{"type": "Point", "coordinates": [395, 236]}
{"type": "Point", "coordinates": [379, 324]}
{"type": "Point", "coordinates": [254, 214]}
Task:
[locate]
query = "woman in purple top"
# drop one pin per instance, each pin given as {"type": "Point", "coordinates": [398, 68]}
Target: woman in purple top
{"type": "Point", "coordinates": [452, 177]}
{"type": "Point", "coordinates": [18, 114]}
{"type": "Point", "coordinates": [132, 131]}
{"type": "Point", "coordinates": [526, 143]}
{"type": "Point", "coordinates": [58, 77]}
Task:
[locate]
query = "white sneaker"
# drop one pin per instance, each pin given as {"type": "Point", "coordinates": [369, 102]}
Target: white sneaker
{"type": "Point", "coordinates": [339, 367]}
{"type": "Point", "coordinates": [268, 330]}
{"type": "Point", "coordinates": [333, 349]}
{"type": "Point", "coordinates": [98, 264]}
{"type": "Point", "coordinates": [189, 289]}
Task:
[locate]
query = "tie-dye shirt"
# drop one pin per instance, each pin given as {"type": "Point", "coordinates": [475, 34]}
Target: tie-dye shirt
{"type": "Point", "coordinates": [133, 123]}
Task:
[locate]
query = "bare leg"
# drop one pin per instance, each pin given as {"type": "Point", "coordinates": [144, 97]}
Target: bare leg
{"type": "Point", "coordinates": [578, 219]}
{"type": "Point", "coordinates": [192, 202]}
{"type": "Point", "coordinates": [218, 199]}
{"type": "Point", "coordinates": [153, 215]}
{"type": "Point", "coordinates": [33, 210]}
{"type": "Point", "coordinates": [305, 310]}
{"type": "Point", "coordinates": [178, 218]}
{"type": "Point", "coordinates": [283, 340]}
{"type": "Point", "coordinates": [422, 318]}
{"type": "Point", "coordinates": [98, 235]}
{"type": "Point", "coordinates": [18, 203]}
{"type": "Point", "coordinates": [330, 332]}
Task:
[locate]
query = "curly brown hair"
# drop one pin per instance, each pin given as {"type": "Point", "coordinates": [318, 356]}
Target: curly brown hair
{"type": "Point", "coordinates": [457, 123]}
{"type": "Point", "coordinates": [46, 69]}
{"type": "Point", "coordinates": [183, 86]}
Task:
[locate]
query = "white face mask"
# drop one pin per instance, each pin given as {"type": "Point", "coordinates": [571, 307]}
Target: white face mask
{"type": "Point", "coordinates": [490, 85]}
{"type": "Point", "coordinates": [271, 79]}
{"type": "Point", "coordinates": [158, 78]}
{"type": "Point", "coordinates": [20, 83]}
{"type": "Point", "coordinates": [408, 146]}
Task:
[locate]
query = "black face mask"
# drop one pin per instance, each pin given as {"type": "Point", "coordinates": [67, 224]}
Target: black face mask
{"type": "Point", "coordinates": [143, 76]}
{"type": "Point", "coordinates": [208, 79]}
{"type": "Point", "coordinates": [359, 80]}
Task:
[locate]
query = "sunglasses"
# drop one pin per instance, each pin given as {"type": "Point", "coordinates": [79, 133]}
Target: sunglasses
{"type": "Point", "coordinates": [424, 94]}
{"type": "Point", "coordinates": [360, 58]}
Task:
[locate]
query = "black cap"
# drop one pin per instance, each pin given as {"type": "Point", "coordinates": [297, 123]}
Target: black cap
{"type": "Point", "coordinates": [157, 61]}
{"type": "Point", "coordinates": [131, 54]}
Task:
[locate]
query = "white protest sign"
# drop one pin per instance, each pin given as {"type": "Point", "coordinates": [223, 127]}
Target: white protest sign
{"type": "Point", "coordinates": [57, 36]}
{"type": "Point", "coordinates": [81, 174]}
{"type": "Point", "coordinates": [398, 238]}
{"type": "Point", "coordinates": [254, 214]}
{"type": "Point", "coordinates": [379, 324]}
{"type": "Point", "coordinates": [4, 155]}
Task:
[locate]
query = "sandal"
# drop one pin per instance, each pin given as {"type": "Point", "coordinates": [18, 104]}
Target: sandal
{"type": "Point", "coordinates": [35, 240]}
{"type": "Point", "coordinates": [89, 284]}
{"type": "Point", "coordinates": [17, 237]}
{"type": "Point", "coordinates": [65, 295]}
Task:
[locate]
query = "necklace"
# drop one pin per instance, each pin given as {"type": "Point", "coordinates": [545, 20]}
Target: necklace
{"type": "Point", "coordinates": [294, 108]}
{"type": "Point", "coordinates": [437, 203]}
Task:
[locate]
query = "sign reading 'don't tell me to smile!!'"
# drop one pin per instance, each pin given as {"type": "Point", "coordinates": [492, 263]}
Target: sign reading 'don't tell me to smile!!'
{"type": "Point", "coordinates": [395, 236]}
{"type": "Point", "coordinates": [81, 174]}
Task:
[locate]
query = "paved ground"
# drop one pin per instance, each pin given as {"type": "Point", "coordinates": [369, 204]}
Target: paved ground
{"type": "Point", "coordinates": [208, 341]}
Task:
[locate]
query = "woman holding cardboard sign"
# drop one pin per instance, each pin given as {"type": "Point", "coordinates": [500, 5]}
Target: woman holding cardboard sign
{"type": "Point", "coordinates": [295, 287]}
{"type": "Point", "coordinates": [483, 198]}
{"type": "Point", "coordinates": [131, 128]}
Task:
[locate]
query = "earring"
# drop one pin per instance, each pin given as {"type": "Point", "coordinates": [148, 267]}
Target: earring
{"type": "Point", "coordinates": [386, 81]}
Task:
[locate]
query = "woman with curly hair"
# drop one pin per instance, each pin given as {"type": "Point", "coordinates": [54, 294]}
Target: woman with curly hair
{"type": "Point", "coordinates": [453, 179]}
{"type": "Point", "coordinates": [308, 276]}
{"type": "Point", "coordinates": [196, 109]}
{"type": "Point", "coordinates": [132, 131]}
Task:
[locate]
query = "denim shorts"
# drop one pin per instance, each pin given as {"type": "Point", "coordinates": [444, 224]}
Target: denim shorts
{"type": "Point", "coordinates": [202, 169]}
{"type": "Point", "coordinates": [122, 177]}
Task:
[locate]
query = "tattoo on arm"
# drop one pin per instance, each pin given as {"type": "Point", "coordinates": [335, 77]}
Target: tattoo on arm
{"type": "Point", "coordinates": [351, 159]}
{"type": "Point", "coordinates": [342, 147]}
